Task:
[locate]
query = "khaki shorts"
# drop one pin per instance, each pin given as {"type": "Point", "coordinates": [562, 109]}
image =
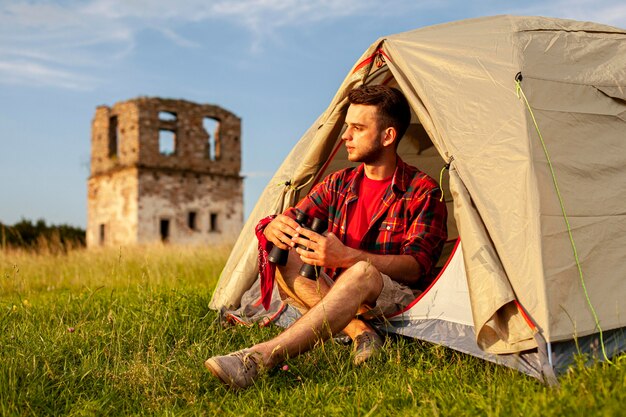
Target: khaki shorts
{"type": "Point", "coordinates": [393, 297]}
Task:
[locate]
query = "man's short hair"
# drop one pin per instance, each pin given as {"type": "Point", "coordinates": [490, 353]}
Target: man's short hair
{"type": "Point", "coordinates": [393, 107]}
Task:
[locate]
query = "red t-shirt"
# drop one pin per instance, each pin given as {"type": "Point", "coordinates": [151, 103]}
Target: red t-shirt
{"type": "Point", "coordinates": [371, 193]}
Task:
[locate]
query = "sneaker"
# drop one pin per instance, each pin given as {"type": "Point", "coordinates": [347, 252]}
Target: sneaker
{"type": "Point", "coordinates": [365, 346]}
{"type": "Point", "coordinates": [237, 370]}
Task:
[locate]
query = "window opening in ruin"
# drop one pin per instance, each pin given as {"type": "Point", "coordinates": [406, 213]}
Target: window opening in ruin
{"type": "Point", "coordinates": [167, 116]}
{"type": "Point", "coordinates": [191, 220]}
{"type": "Point", "coordinates": [102, 233]}
{"type": "Point", "coordinates": [165, 230]}
{"type": "Point", "coordinates": [113, 136]}
{"type": "Point", "coordinates": [167, 142]}
{"type": "Point", "coordinates": [213, 222]}
{"type": "Point", "coordinates": [212, 128]}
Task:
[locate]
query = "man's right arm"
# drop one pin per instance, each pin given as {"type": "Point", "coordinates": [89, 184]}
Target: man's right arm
{"type": "Point", "coordinates": [280, 230]}
{"type": "Point", "coordinates": [315, 204]}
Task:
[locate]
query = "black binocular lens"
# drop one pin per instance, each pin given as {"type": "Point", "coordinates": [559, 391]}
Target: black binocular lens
{"type": "Point", "coordinates": [279, 256]}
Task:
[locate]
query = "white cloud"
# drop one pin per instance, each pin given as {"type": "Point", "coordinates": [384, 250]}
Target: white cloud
{"type": "Point", "coordinates": [48, 44]}
{"type": "Point", "coordinates": [33, 73]}
{"type": "Point", "coordinates": [46, 37]}
{"type": "Point", "coordinates": [177, 39]}
{"type": "Point", "coordinates": [61, 39]}
{"type": "Point", "coordinates": [271, 12]}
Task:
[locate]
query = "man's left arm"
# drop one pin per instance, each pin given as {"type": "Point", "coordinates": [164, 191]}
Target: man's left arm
{"type": "Point", "coordinates": [421, 247]}
{"type": "Point", "coordinates": [330, 252]}
{"type": "Point", "coordinates": [427, 232]}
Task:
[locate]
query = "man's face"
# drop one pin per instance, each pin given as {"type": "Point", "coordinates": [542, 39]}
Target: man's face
{"type": "Point", "coordinates": [363, 137]}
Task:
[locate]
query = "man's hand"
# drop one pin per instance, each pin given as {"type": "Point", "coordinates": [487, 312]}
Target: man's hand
{"type": "Point", "coordinates": [280, 230]}
{"type": "Point", "coordinates": [327, 251]}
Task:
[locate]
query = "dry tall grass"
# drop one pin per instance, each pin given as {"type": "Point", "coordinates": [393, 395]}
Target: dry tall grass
{"type": "Point", "coordinates": [47, 269]}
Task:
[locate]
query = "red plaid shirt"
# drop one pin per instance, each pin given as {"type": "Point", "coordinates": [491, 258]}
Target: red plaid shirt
{"type": "Point", "coordinates": [411, 219]}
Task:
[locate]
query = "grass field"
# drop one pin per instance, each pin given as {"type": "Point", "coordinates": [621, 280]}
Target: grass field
{"type": "Point", "coordinates": [126, 331]}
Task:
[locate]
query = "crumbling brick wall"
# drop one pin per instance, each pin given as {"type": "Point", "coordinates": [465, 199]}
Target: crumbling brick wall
{"type": "Point", "coordinates": [158, 174]}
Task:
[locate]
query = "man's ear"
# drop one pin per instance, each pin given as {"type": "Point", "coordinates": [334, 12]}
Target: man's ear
{"type": "Point", "coordinates": [390, 135]}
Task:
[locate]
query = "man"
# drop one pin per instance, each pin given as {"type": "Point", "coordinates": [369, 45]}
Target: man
{"type": "Point", "coordinates": [386, 229]}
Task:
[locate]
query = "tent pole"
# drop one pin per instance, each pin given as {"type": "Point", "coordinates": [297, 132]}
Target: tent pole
{"type": "Point", "coordinates": [547, 370]}
{"type": "Point", "coordinates": [550, 354]}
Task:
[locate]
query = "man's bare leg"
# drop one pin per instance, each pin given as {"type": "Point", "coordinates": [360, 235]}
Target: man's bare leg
{"type": "Point", "coordinates": [308, 293]}
{"type": "Point", "coordinates": [360, 284]}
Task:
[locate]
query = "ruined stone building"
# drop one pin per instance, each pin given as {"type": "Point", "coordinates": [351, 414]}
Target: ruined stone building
{"type": "Point", "coordinates": [164, 170]}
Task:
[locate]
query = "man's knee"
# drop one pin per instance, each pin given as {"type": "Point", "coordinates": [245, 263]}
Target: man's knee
{"type": "Point", "coordinates": [363, 275]}
{"type": "Point", "coordinates": [364, 269]}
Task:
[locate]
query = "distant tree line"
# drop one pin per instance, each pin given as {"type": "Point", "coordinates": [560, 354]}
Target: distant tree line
{"type": "Point", "coordinates": [38, 235]}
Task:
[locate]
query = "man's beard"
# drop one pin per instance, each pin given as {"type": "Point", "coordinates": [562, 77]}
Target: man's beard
{"type": "Point", "coordinates": [370, 155]}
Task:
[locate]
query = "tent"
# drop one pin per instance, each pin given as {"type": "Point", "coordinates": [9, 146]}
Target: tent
{"type": "Point", "coordinates": [529, 116]}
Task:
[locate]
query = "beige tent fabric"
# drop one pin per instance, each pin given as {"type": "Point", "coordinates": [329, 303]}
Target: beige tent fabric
{"type": "Point", "coordinates": [590, 172]}
{"type": "Point", "coordinates": [460, 81]}
{"type": "Point", "coordinates": [492, 141]}
{"type": "Point", "coordinates": [484, 135]}
{"type": "Point", "coordinates": [500, 328]}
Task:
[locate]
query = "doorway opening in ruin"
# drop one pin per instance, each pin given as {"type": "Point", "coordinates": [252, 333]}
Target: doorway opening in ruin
{"type": "Point", "coordinates": [102, 234]}
{"type": "Point", "coordinates": [164, 229]}
{"type": "Point", "coordinates": [212, 128]}
{"type": "Point", "coordinates": [191, 220]}
{"type": "Point", "coordinates": [213, 222]}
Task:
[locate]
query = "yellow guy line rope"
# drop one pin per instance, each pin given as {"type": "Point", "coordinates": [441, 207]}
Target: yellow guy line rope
{"type": "Point", "coordinates": [441, 181]}
{"type": "Point", "coordinates": [519, 92]}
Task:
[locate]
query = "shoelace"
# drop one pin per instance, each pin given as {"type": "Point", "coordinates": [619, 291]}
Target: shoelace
{"type": "Point", "coordinates": [247, 359]}
{"type": "Point", "coordinates": [364, 339]}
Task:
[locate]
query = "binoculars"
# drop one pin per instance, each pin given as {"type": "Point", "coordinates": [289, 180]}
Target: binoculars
{"type": "Point", "coordinates": [279, 256]}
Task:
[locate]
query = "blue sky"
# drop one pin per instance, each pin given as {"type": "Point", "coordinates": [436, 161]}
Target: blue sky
{"type": "Point", "coordinates": [274, 63]}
